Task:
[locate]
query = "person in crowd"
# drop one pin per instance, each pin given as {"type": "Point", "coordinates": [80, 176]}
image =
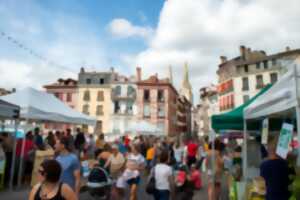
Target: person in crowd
{"type": "Point", "coordinates": [178, 154]}
{"type": "Point", "coordinates": [122, 146]}
{"type": "Point", "coordinates": [50, 187]}
{"type": "Point", "coordinates": [38, 140]}
{"type": "Point", "coordinates": [50, 139]}
{"type": "Point", "coordinates": [164, 181]}
{"type": "Point", "coordinates": [196, 177]}
{"type": "Point", "coordinates": [2, 154]}
{"type": "Point", "coordinates": [115, 162]}
{"type": "Point", "coordinates": [70, 164]}
{"type": "Point", "coordinates": [28, 156]}
{"type": "Point", "coordinates": [150, 156]}
{"type": "Point", "coordinates": [79, 141]}
{"type": "Point", "coordinates": [7, 145]}
{"type": "Point", "coordinates": [275, 172]}
{"type": "Point", "coordinates": [92, 146]}
{"type": "Point", "coordinates": [70, 138]}
{"type": "Point", "coordinates": [135, 164]}
{"type": "Point", "coordinates": [104, 155]}
{"type": "Point", "coordinates": [214, 180]}
{"type": "Point", "coordinates": [192, 150]}
{"type": "Point", "coordinates": [100, 142]}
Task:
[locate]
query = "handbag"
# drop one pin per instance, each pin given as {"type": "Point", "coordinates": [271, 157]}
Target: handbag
{"type": "Point", "coordinates": [150, 187]}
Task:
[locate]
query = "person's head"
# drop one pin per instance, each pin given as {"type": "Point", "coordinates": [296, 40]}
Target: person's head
{"type": "Point", "coordinates": [272, 144]}
{"type": "Point", "coordinates": [4, 134]}
{"type": "Point", "coordinates": [50, 133]}
{"type": "Point", "coordinates": [164, 157]}
{"type": "Point", "coordinates": [107, 147]}
{"type": "Point", "coordinates": [37, 131]}
{"type": "Point", "coordinates": [68, 132]}
{"type": "Point", "coordinates": [135, 149]}
{"type": "Point", "coordinates": [29, 135]}
{"type": "Point", "coordinates": [78, 130]}
{"type": "Point", "coordinates": [62, 144]}
{"type": "Point", "coordinates": [50, 171]}
{"type": "Point", "coordinates": [114, 149]}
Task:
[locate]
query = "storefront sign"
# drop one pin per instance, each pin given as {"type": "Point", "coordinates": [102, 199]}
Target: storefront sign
{"type": "Point", "coordinates": [284, 141]}
{"type": "Point", "coordinates": [265, 131]}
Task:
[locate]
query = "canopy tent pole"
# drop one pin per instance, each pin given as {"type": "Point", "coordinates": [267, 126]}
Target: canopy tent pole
{"type": "Point", "coordinates": [13, 162]}
{"type": "Point", "coordinates": [245, 159]}
{"type": "Point", "coordinates": [297, 109]}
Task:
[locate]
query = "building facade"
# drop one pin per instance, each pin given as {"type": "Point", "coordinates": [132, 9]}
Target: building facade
{"type": "Point", "coordinates": [66, 91]}
{"type": "Point", "coordinates": [157, 103]}
{"type": "Point", "coordinates": [241, 78]}
{"type": "Point", "coordinates": [184, 117]}
{"type": "Point", "coordinates": [124, 100]}
{"type": "Point", "coordinates": [94, 98]}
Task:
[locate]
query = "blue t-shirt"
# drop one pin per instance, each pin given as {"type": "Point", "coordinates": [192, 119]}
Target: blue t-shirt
{"type": "Point", "coordinates": [69, 164]}
{"type": "Point", "coordinates": [276, 174]}
{"type": "Point", "coordinates": [122, 148]}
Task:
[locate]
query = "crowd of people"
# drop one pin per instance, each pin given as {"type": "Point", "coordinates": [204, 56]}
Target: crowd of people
{"type": "Point", "coordinates": [174, 167]}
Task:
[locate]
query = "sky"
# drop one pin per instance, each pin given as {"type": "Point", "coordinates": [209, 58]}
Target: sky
{"type": "Point", "coordinates": [123, 34]}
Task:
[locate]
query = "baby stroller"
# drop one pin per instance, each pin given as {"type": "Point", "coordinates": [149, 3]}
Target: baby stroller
{"type": "Point", "coordinates": [99, 184]}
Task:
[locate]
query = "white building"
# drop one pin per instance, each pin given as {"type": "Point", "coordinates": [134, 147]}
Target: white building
{"type": "Point", "coordinates": [243, 77]}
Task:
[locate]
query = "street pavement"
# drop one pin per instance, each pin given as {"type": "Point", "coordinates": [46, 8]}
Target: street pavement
{"type": "Point", "coordinates": [22, 194]}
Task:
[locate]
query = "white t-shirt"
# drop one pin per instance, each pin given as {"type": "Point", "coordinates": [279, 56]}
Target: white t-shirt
{"type": "Point", "coordinates": [178, 154]}
{"type": "Point", "coordinates": [162, 174]}
{"type": "Point", "coordinates": [139, 159]}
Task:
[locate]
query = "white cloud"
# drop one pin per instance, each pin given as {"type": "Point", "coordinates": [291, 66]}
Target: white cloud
{"type": "Point", "coordinates": [123, 28]}
{"type": "Point", "coordinates": [200, 31]}
{"type": "Point", "coordinates": [67, 40]}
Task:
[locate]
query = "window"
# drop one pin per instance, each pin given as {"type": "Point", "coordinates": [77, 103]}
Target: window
{"type": "Point", "coordinates": [265, 64]}
{"type": "Point", "coordinates": [245, 84]}
{"type": "Point", "coordinates": [69, 97]}
{"type": "Point", "coordinates": [88, 81]}
{"type": "Point", "coordinates": [146, 95]}
{"type": "Point", "coordinates": [273, 77]}
{"type": "Point", "coordinates": [246, 98]}
{"type": "Point", "coordinates": [99, 127]}
{"type": "Point", "coordinates": [130, 91]}
{"type": "Point", "coordinates": [129, 107]}
{"type": "Point", "coordinates": [246, 68]}
{"type": "Point", "coordinates": [274, 62]}
{"type": "Point", "coordinates": [117, 107]}
{"type": "Point", "coordinates": [57, 94]}
{"type": "Point", "coordinates": [117, 91]}
{"type": "Point", "coordinates": [160, 96]}
{"type": "Point", "coordinates": [100, 96]}
{"type": "Point", "coordinates": [161, 111]}
{"type": "Point", "coordinates": [85, 109]}
{"type": "Point", "coordinates": [259, 82]}
{"type": "Point", "coordinates": [99, 110]}
{"type": "Point", "coordinates": [86, 95]}
{"type": "Point", "coordinates": [101, 81]}
{"type": "Point", "coordinates": [161, 127]}
{"type": "Point", "coordinates": [258, 65]}
{"type": "Point", "coordinates": [147, 111]}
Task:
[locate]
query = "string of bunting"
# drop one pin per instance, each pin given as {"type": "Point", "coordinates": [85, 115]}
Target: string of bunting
{"type": "Point", "coordinates": [32, 52]}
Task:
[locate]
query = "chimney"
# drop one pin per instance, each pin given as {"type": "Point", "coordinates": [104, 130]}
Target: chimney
{"type": "Point", "coordinates": [248, 54]}
{"type": "Point", "coordinates": [287, 48]}
{"type": "Point", "coordinates": [139, 73]}
{"type": "Point", "coordinates": [82, 70]}
{"type": "Point", "coordinates": [223, 59]}
{"type": "Point", "coordinates": [242, 51]}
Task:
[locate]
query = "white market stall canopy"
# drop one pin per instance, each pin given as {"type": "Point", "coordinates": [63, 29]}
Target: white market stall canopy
{"type": "Point", "coordinates": [8, 110]}
{"type": "Point", "coordinates": [144, 128]}
{"type": "Point", "coordinates": [280, 98]}
{"type": "Point", "coordinates": [38, 105]}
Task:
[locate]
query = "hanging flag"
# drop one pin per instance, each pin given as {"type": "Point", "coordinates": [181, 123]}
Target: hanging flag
{"type": "Point", "coordinates": [284, 140]}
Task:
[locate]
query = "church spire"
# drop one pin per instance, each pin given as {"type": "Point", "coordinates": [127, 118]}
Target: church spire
{"type": "Point", "coordinates": [170, 74]}
{"type": "Point", "coordinates": [186, 88]}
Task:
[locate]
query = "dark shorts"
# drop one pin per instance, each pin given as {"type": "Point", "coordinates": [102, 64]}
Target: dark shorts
{"type": "Point", "coordinates": [133, 181]}
{"type": "Point", "coordinates": [191, 160]}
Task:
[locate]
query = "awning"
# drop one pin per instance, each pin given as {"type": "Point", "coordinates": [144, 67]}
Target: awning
{"type": "Point", "coordinates": [234, 120]}
{"type": "Point", "coordinates": [8, 110]}
{"type": "Point", "coordinates": [41, 106]}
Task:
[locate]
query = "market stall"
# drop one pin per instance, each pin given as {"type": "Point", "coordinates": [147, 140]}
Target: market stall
{"type": "Point", "coordinates": [39, 106]}
{"type": "Point", "coordinates": [8, 111]}
{"type": "Point", "coordinates": [280, 102]}
{"type": "Point", "coordinates": [231, 122]}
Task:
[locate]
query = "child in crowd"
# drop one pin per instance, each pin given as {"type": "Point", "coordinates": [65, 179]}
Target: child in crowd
{"type": "Point", "coordinates": [196, 177]}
